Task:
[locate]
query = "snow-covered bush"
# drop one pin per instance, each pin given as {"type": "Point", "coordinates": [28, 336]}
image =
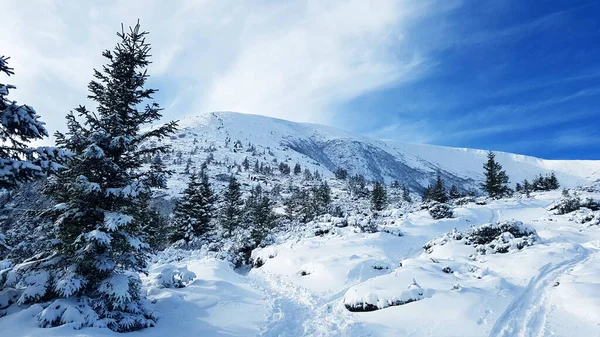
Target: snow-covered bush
{"type": "Point", "coordinates": [586, 217]}
{"type": "Point", "coordinates": [500, 237]}
{"type": "Point", "coordinates": [463, 201]}
{"type": "Point", "coordinates": [174, 277]}
{"type": "Point", "coordinates": [566, 204]}
{"type": "Point", "coordinates": [440, 211]}
{"type": "Point", "coordinates": [369, 297]}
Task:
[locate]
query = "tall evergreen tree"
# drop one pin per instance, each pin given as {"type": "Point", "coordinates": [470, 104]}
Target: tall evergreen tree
{"type": "Point", "coordinates": [232, 211]}
{"type": "Point", "coordinates": [297, 169]}
{"type": "Point", "coordinates": [438, 191]}
{"type": "Point", "coordinates": [299, 206]}
{"type": "Point", "coordinates": [322, 197]}
{"type": "Point", "coordinates": [19, 125]}
{"type": "Point", "coordinates": [496, 180]}
{"type": "Point", "coordinates": [406, 194]}
{"type": "Point", "coordinates": [193, 214]}
{"type": "Point", "coordinates": [103, 196]}
{"type": "Point", "coordinates": [526, 188]}
{"type": "Point", "coordinates": [378, 196]}
{"type": "Point", "coordinates": [259, 215]}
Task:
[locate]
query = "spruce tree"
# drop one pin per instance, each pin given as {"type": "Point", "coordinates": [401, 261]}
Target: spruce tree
{"type": "Point", "coordinates": [454, 192]}
{"type": "Point", "coordinates": [526, 188]}
{"type": "Point", "coordinates": [406, 194]}
{"type": "Point", "coordinates": [496, 180]}
{"type": "Point", "coordinates": [19, 125]}
{"type": "Point", "coordinates": [232, 211]}
{"type": "Point", "coordinates": [438, 191]}
{"type": "Point", "coordinates": [193, 214]}
{"type": "Point", "coordinates": [341, 174]}
{"type": "Point", "coordinates": [322, 196]}
{"type": "Point", "coordinates": [378, 196]}
{"type": "Point", "coordinates": [259, 215]}
{"type": "Point", "coordinates": [553, 181]}
{"type": "Point", "coordinates": [297, 169]}
{"type": "Point", "coordinates": [103, 196]}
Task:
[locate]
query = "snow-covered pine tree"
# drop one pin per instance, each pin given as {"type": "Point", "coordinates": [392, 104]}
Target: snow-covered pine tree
{"type": "Point", "coordinates": [454, 192]}
{"type": "Point", "coordinates": [496, 180]}
{"type": "Point", "coordinates": [184, 216]}
{"type": "Point", "coordinates": [526, 188]}
{"type": "Point", "coordinates": [259, 215]}
{"type": "Point", "coordinates": [297, 169]}
{"type": "Point", "coordinates": [19, 125]}
{"type": "Point", "coordinates": [232, 211]}
{"type": "Point", "coordinates": [378, 196]}
{"type": "Point", "coordinates": [194, 212]}
{"type": "Point", "coordinates": [406, 194]}
{"type": "Point", "coordinates": [103, 200]}
{"type": "Point", "coordinates": [300, 206]}
{"type": "Point", "coordinates": [321, 198]}
{"type": "Point", "coordinates": [438, 191]}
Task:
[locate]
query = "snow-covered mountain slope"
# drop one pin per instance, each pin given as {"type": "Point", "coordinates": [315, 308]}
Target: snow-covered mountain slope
{"type": "Point", "coordinates": [324, 148]}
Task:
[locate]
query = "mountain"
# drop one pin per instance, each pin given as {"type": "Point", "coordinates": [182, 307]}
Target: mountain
{"type": "Point", "coordinates": [230, 137]}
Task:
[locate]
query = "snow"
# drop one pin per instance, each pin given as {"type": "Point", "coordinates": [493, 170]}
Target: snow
{"type": "Point", "coordinates": [325, 148]}
{"type": "Point", "coordinates": [306, 281]}
{"type": "Point", "coordinates": [543, 283]}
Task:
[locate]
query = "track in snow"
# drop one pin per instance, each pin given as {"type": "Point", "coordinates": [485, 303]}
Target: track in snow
{"type": "Point", "coordinates": [526, 315]}
{"type": "Point", "coordinates": [296, 311]}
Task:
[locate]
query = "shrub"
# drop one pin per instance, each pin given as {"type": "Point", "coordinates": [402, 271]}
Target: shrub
{"type": "Point", "coordinates": [440, 211]}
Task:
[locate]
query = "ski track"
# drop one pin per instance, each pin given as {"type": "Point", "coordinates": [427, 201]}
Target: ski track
{"type": "Point", "coordinates": [527, 313]}
{"type": "Point", "coordinates": [296, 311]}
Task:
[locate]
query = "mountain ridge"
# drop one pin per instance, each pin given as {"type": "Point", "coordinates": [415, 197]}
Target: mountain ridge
{"type": "Point", "coordinates": [325, 148]}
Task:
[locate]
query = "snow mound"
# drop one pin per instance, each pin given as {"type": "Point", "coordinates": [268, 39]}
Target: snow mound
{"type": "Point", "coordinates": [491, 238]}
{"type": "Point", "coordinates": [379, 293]}
{"type": "Point", "coordinates": [174, 277]}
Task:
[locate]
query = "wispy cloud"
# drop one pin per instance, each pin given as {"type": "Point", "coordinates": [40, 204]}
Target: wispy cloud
{"type": "Point", "coordinates": [293, 60]}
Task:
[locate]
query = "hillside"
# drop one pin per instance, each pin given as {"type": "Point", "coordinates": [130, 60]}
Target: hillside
{"type": "Point", "coordinates": [324, 148]}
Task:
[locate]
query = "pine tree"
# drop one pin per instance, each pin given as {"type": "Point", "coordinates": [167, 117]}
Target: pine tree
{"type": "Point", "coordinates": [553, 181]}
{"type": "Point", "coordinates": [232, 211]}
{"type": "Point", "coordinates": [454, 192]}
{"type": "Point", "coordinates": [259, 215]}
{"type": "Point", "coordinates": [426, 196]}
{"type": "Point", "coordinates": [527, 188]}
{"type": "Point", "coordinates": [358, 186]}
{"type": "Point", "coordinates": [378, 196]}
{"type": "Point", "coordinates": [518, 187]}
{"type": "Point", "coordinates": [299, 205]}
{"type": "Point", "coordinates": [104, 194]}
{"type": "Point", "coordinates": [188, 166]}
{"type": "Point", "coordinates": [341, 174]}
{"type": "Point", "coordinates": [438, 192]}
{"type": "Point", "coordinates": [194, 212]}
{"type": "Point", "coordinates": [246, 164]}
{"type": "Point", "coordinates": [284, 168]}
{"type": "Point", "coordinates": [496, 180]}
{"type": "Point", "coordinates": [322, 197]}
{"type": "Point", "coordinates": [406, 194]}
{"type": "Point", "coordinates": [297, 169]}
{"type": "Point", "coordinates": [19, 125]}
{"type": "Point", "coordinates": [308, 176]}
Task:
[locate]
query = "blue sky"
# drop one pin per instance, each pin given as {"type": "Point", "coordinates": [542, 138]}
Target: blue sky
{"type": "Point", "coordinates": [517, 76]}
{"type": "Point", "coordinates": [521, 77]}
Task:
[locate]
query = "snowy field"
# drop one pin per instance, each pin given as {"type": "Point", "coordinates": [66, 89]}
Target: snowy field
{"type": "Point", "coordinates": [545, 284]}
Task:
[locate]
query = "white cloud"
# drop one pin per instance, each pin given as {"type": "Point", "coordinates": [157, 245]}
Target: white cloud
{"type": "Point", "coordinates": [294, 60]}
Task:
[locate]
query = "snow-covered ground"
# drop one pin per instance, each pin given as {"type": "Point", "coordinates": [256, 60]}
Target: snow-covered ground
{"type": "Point", "coordinates": [307, 284]}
